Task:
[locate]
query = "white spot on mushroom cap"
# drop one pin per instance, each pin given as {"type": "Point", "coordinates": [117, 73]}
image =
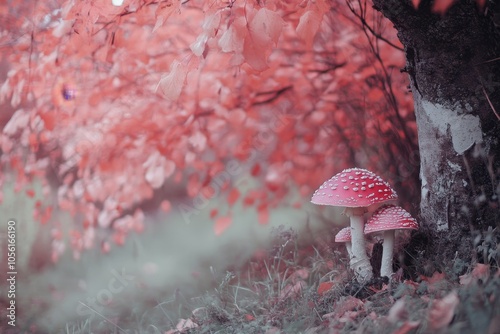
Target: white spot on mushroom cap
{"type": "Point", "coordinates": [354, 196]}
{"type": "Point", "coordinates": [390, 217]}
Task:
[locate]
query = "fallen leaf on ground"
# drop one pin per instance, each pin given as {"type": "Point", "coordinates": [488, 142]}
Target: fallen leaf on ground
{"type": "Point", "coordinates": [397, 312]}
{"type": "Point", "coordinates": [442, 311]}
{"type": "Point", "coordinates": [435, 282]}
{"type": "Point", "coordinates": [344, 305]}
{"type": "Point", "coordinates": [273, 330]}
{"type": "Point", "coordinates": [300, 274]}
{"type": "Point", "coordinates": [407, 327]}
{"type": "Point", "coordinates": [324, 287]}
{"type": "Point", "coordinates": [494, 325]}
{"type": "Point", "coordinates": [435, 278]}
{"type": "Point", "coordinates": [292, 290]}
{"type": "Point", "coordinates": [185, 324]}
{"type": "Point", "coordinates": [480, 272]}
{"type": "Point", "coordinates": [348, 316]}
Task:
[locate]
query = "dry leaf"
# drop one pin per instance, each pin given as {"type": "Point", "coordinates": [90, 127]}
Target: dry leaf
{"type": "Point", "coordinates": [299, 274]}
{"type": "Point", "coordinates": [185, 324]}
{"type": "Point", "coordinates": [324, 287]}
{"type": "Point", "coordinates": [292, 290]}
{"type": "Point", "coordinates": [480, 272]}
{"type": "Point", "coordinates": [494, 325]}
{"type": "Point", "coordinates": [347, 304]}
{"type": "Point", "coordinates": [436, 277]}
{"type": "Point", "coordinates": [348, 316]}
{"type": "Point", "coordinates": [407, 327]}
{"type": "Point", "coordinates": [397, 312]}
{"type": "Point", "coordinates": [273, 330]}
{"type": "Point", "coordinates": [442, 311]}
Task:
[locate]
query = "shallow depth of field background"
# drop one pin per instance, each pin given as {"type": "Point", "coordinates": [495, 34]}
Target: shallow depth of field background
{"type": "Point", "coordinates": [170, 259]}
{"type": "Point", "coordinates": [332, 112]}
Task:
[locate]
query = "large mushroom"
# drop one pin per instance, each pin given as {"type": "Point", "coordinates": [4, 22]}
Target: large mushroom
{"type": "Point", "coordinates": [355, 189]}
{"type": "Point", "coordinates": [387, 219]}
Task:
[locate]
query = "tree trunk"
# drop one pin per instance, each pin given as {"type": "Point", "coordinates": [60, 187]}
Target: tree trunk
{"type": "Point", "coordinates": [453, 61]}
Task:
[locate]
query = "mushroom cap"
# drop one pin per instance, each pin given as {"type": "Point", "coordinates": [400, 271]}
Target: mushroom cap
{"type": "Point", "coordinates": [390, 217]}
{"type": "Point", "coordinates": [344, 235]}
{"type": "Point", "coordinates": [354, 187]}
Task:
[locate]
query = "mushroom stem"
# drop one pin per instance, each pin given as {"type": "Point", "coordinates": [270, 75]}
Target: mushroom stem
{"type": "Point", "coordinates": [360, 262]}
{"type": "Point", "coordinates": [387, 254]}
{"type": "Point", "coordinates": [348, 247]}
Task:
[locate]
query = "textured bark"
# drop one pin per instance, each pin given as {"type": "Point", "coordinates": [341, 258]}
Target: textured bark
{"type": "Point", "coordinates": [452, 62]}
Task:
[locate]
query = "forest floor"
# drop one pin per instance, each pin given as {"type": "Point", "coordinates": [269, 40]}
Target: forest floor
{"type": "Point", "coordinates": [308, 289]}
{"type": "Point", "coordinates": [292, 286]}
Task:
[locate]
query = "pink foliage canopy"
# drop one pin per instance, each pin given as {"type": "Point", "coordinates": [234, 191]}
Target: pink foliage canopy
{"type": "Point", "coordinates": [114, 105]}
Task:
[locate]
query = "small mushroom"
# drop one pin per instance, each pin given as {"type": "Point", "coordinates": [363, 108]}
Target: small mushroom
{"type": "Point", "coordinates": [387, 219]}
{"type": "Point", "coordinates": [355, 189]}
{"type": "Point", "coordinates": [344, 236]}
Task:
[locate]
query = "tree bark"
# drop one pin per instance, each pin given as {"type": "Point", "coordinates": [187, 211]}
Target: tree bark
{"type": "Point", "coordinates": [453, 61]}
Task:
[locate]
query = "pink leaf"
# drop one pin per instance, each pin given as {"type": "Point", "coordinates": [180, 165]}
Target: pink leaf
{"type": "Point", "coordinates": [166, 206]}
{"type": "Point", "coordinates": [345, 305]}
{"type": "Point", "coordinates": [158, 169]}
{"type": "Point", "coordinates": [211, 24]}
{"type": "Point", "coordinates": [254, 54]}
{"type": "Point", "coordinates": [185, 324]}
{"type": "Point", "coordinates": [232, 39]}
{"type": "Point", "coordinates": [263, 215]}
{"type": "Point", "coordinates": [198, 47]}
{"type": "Point", "coordinates": [210, 27]}
{"type": "Point", "coordinates": [237, 117]}
{"type": "Point", "coordinates": [221, 224]}
{"type": "Point", "coordinates": [442, 311]}
{"type": "Point", "coordinates": [292, 290]}
{"type": "Point", "coordinates": [407, 327]}
{"type": "Point", "coordinates": [442, 6]}
{"type": "Point", "coordinates": [264, 30]}
{"type": "Point", "coordinates": [309, 24]}
{"type": "Point", "coordinates": [171, 85]}
{"type": "Point", "coordinates": [267, 24]}
{"type": "Point", "coordinates": [324, 287]}
{"type": "Point", "coordinates": [233, 196]}
{"type": "Point", "coordinates": [163, 12]}
{"type": "Point", "coordinates": [199, 141]}
{"type": "Point", "coordinates": [480, 272]}
{"type": "Point", "coordinates": [155, 176]}
{"type": "Point", "coordinates": [169, 167]}
{"type": "Point", "coordinates": [397, 312]}
{"type": "Point", "coordinates": [17, 122]}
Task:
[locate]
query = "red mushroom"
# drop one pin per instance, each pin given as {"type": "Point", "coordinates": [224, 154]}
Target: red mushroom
{"type": "Point", "coordinates": [387, 219]}
{"type": "Point", "coordinates": [355, 189]}
{"type": "Point", "coordinates": [344, 235]}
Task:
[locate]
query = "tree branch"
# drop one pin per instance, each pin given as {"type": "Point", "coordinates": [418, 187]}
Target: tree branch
{"type": "Point", "coordinates": [365, 24]}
